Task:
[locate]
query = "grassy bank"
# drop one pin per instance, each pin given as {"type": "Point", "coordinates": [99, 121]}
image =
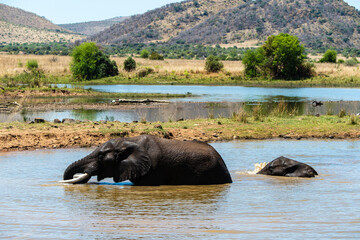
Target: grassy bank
{"type": "Point", "coordinates": [22, 136]}
{"type": "Point", "coordinates": [20, 92]}
{"type": "Point", "coordinates": [223, 79]}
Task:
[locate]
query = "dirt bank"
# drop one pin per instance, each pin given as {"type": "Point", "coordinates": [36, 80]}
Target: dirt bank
{"type": "Point", "coordinates": [21, 136]}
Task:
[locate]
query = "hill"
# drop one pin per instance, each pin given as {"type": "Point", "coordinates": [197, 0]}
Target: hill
{"type": "Point", "coordinates": [20, 26]}
{"type": "Point", "coordinates": [92, 27]}
{"type": "Point", "coordinates": [317, 23]}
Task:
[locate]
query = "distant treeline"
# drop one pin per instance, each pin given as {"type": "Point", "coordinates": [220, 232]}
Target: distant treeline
{"type": "Point", "coordinates": [170, 51]}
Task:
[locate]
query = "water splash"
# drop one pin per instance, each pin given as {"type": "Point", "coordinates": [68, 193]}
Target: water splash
{"type": "Point", "coordinates": [258, 167]}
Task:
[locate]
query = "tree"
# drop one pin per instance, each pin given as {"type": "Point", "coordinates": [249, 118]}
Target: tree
{"type": "Point", "coordinates": [252, 60]}
{"type": "Point", "coordinates": [284, 56]}
{"type": "Point", "coordinates": [213, 64]}
{"type": "Point", "coordinates": [129, 64]}
{"type": "Point", "coordinates": [88, 62]}
{"type": "Point", "coordinates": [144, 53]}
{"type": "Point", "coordinates": [329, 56]}
{"type": "Point", "coordinates": [156, 56]}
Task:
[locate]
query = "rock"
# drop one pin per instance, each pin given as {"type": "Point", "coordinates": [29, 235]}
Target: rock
{"type": "Point", "coordinates": [39, 120]}
{"type": "Point", "coordinates": [158, 126]}
{"type": "Point", "coordinates": [57, 120]}
{"type": "Point", "coordinates": [236, 137]}
{"type": "Point", "coordinates": [68, 120]}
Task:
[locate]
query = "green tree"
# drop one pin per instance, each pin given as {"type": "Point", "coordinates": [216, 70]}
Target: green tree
{"type": "Point", "coordinates": [144, 53]}
{"type": "Point", "coordinates": [329, 56]}
{"type": "Point", "coordinates": [284, 56]}
{"type": "Point", "coordinates": [213, 64]}
{"type": "Point", "coordinates": [156, 56]}
{"type": "Point", "coordinates": [129, 64]}
{"type": "Point", "coordinates": [88, 62]}
{"type": "Point", "coordinates": [253, 60]}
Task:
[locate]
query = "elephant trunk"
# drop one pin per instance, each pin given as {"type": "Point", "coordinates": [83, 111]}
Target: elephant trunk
{"type": "Point", "coordinates": [87, 165]}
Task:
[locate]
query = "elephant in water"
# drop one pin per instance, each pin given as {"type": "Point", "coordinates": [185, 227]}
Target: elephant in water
{"type": "Point", "coordinates": [287, 167]}
{"type": "Point", "coordinates": [148, 160]}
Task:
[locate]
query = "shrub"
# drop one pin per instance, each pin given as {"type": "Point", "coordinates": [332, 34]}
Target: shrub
{"type": "Point", "coordinates": [32, 64]}
{"type": "Point", "coordinates": [144, 72]}
{"type": "Point", "coordinates": [144, 53]}
{"type": "Point", "coordinates": [88, 62]}
{"type": "Point", "coordinates": [213, 64]}
{"type": "Point", "coordinates": [129, 64]}
{"type": "Point", "coordinates": [284, 55]}
{"type": "Point", "coordinates": [353, 119]}
{"type": "Point", "coordinates": [351, 62]}
{"type": "Point", "coordinates": [329, 56]}
{"type": "Point", "coordinates": [156, 56]}
{"type": "Point", "coordinates": [252, 61]}
{"type": "Point", "coordinates": [342, 113]}
{"type": "Point", "coordinates": [281, 56]}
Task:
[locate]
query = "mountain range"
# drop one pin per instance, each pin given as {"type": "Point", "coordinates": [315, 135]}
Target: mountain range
{"type": "Point", "coordinates": [20, 26]}
{"type": "Point", "coordinates": [92, 27]}
{"type": "Point", "coordinates": [317, 23]}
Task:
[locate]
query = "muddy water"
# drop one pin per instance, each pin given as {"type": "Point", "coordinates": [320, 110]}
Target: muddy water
{"type": "Point", "coordinates": [34, 206]}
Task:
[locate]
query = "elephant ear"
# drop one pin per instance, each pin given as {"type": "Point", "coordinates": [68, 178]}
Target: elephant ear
{"type": "Point", "coordinates": [136, 164]}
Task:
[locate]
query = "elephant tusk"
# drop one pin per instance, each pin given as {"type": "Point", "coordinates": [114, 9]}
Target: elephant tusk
{"type": "Point", "coordinates": [77, 178]}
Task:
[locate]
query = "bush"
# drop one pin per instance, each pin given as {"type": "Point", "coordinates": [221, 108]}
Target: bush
{"type": "Point", "coordinates": [213, 64]}
{"type": "Point", "coordinates": [329, 56]}
{"type": "Point", "coordinates": [88, 62]}
{"type": "Point", "coordinates": [252, 61]}
{"type": "Point", "coordinates": [280, 57]}
{"type": "Point", "coordinates": [144, 53]}
{"type": "Point", "coordinates": [129, 64]}
{"type": "Point", "coordinates": [351, 62]}
{"type": "Point", "coordinates": [156, 56]}
{"type": "Point", "coordinates": [284, 55]}
{"type": "Point", "coordinates": [144, 72]}
{"type": "Point", "coordinates": [32, 64]}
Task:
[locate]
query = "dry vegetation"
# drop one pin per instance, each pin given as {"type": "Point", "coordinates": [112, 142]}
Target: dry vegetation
{"type": "Point", "coordinates": [59, 66]}
{"type": "Point", "coordinates": [11, 33]}
{"type": "Point", "coordinates": [15, 64]}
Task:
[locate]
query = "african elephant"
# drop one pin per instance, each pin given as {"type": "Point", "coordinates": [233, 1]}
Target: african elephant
{"type": "Point", "coordinates": [287, 167]}
{"type": "Point", "coordinates": [148, 160]}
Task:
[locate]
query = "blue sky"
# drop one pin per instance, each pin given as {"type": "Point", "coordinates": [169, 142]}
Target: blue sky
{"type": "Point", "coordinates": [71, 11]}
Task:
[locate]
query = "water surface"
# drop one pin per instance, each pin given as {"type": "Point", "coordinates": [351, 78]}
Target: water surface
{"type": "Point", "coordinates": [34, 206]}
{"type": "Point", "coordinates": [237, 93]}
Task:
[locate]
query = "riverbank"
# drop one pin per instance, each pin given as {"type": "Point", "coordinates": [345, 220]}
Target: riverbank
{"type": "Point", "coordinates": [17, 136]}
{"type": "Point", "coordinates": [47, 92]}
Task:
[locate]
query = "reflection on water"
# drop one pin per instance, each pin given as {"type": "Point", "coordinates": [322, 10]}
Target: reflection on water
{"type": "Point", "coordinates": [190, 110]}
{"type": "Point", "coordinates": [34, 206]}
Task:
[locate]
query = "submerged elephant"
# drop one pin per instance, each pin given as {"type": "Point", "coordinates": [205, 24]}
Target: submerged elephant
{"type": "Point", "coordinates": [149, 160]}
{"type": "Point", "coordinates": [287, 167]}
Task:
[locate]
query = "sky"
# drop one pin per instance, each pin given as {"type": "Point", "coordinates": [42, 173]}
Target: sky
{"type": "Point", "coordinates": [73, 11]}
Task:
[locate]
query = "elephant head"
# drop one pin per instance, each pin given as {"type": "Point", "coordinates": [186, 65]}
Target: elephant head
{"type": "Point", "coordinates": [116, 158]}
{"type": "Point", "coordinates": [283, 166]}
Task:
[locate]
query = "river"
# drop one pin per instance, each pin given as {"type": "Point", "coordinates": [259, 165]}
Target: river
{"type": "Point", "coordinates": [34, 206]}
